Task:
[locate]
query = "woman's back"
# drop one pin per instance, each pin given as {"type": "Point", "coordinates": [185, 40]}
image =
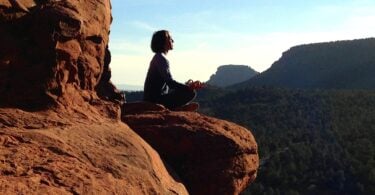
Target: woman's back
{"type": "Point", "coordinates": [155, 84]}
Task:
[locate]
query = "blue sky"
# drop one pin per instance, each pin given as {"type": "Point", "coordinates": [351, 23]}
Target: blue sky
{"type": "Point", "coordinates": [210, 33]}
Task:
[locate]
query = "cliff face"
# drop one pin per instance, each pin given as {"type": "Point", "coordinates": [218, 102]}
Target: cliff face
{"type": "Point", "coordinates": [53, 51]}
{"type": "Point", "coordinates": [60, 127]}
{"type": "Point", "coordinates": [330, 65]}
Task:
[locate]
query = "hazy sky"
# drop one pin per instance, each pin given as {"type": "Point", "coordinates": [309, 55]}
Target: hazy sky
{"type": "Point", "coordinates": [210, 33]}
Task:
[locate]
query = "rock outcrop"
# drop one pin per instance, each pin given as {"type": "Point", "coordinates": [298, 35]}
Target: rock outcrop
{"type": "Point", "coordinates": [60, 127]}
{"type": "Point", "coordinates": [51, 153]}
{"type": "Point", "coordinates": [60, 131]}
{"type": "Point", "coordinates": [211, 156]}
{"type": "Point", "coordinates": [56, 53]}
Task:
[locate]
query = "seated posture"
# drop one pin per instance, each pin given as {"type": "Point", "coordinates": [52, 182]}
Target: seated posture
{"type": "Point", "coordinates": [159, 86]}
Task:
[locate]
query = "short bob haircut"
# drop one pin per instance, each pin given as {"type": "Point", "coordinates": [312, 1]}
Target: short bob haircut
{"type": "Point", "coordinates": [158, 41]}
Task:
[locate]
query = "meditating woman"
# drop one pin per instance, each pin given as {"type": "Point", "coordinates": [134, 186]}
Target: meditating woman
{"type": "Point", "coordinates": [159, 86]}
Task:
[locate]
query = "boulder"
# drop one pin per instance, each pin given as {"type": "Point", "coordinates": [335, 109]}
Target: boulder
{"type": "Point", "coordinates": [211, 156]}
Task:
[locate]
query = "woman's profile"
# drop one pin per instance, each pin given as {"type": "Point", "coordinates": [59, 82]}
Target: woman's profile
{"type": "Point", "coordinates": [159, 85]}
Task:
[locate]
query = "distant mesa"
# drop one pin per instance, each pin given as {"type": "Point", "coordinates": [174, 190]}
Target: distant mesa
{"type": "Point", "coordinates": [231, 74]}
{"type": "Point", "coordinates": [346, 64]}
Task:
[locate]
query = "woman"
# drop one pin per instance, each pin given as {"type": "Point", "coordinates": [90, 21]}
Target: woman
{"type": "Point", "coordinates": [159, 86]}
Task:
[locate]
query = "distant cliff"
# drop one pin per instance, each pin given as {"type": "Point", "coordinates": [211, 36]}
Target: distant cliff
{"type": "Point", "coordinates": [231, 74]}
{"type": "Point", "coordinates": [331, 65]}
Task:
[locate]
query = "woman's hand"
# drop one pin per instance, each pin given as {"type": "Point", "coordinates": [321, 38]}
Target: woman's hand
{"type": "Point", "coordinates": [195, 84]}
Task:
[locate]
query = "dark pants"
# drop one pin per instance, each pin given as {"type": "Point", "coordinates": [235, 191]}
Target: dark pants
{"type": "Point", "coordinates": [177, 97]}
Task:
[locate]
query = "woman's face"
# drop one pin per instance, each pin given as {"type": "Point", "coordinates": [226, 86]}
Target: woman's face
{"type": "Point", "coordinates": [169, 42]}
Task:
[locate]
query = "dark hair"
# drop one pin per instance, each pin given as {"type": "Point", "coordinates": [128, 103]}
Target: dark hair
{"type": "Point", "coordinates": [158, 41]}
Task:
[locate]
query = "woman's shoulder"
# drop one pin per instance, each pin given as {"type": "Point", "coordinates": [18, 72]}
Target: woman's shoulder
{"type": "Point", "coordinates": [159, 55]}
{"type": "Point", "coordinates": [159, 58]}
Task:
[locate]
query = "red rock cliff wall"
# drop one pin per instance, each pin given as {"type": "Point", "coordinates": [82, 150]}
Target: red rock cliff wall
{"type": "Point", "coordinates": [54, 52]}
{"type": "Point", "coordinates": [58, 128]}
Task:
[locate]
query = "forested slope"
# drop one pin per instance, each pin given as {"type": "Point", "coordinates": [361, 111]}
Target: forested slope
{"type": "Point", "coordinates": [310, 142]}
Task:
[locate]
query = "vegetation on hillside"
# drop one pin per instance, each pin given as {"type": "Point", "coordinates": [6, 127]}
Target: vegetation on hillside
{"type": "Point", "coordinates": [310, 142]}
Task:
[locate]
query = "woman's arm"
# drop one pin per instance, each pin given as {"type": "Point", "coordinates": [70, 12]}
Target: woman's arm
{"type": "Point", "coordinates": [163, 68]}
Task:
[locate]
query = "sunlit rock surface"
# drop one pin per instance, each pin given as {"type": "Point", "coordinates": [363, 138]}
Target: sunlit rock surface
{"type": "Point", "coordinates": [211, 156]}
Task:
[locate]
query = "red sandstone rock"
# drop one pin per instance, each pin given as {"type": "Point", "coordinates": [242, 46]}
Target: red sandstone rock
{"type": "Point", "coordinates": [60, 131]}
{"type": "Point", "coordinates": [54, 54]}
{"type": "Point", "coordinates": [50, 153]}
{"type": "Point", "coordinates": [141, 108]}
{"type": "Point", "coordinates": [211, 156]}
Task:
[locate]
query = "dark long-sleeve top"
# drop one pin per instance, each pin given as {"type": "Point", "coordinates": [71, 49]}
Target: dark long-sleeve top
{"type": "Point", "coordinates": [159, 79]}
